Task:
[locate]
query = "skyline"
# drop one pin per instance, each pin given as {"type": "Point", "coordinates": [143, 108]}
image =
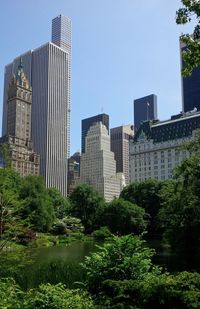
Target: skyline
{"type": "Point", "coordinates": [112, 63]}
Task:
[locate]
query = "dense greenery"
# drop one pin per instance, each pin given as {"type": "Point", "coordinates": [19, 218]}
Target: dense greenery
{"type": "Point", "coordinates": [86, 204]}
{"type": "Point", "coordinates": [122, 275]}
{"type": "Point", "coordinates": [123, 217]}
{"type": "Point", "coordinates": [45, 296]}
{"type": "Point", "coordinates": [146, 194]}
{"type": "Point", "coordinates": [191, 55]}
{"type": "Point", "coordinates": [27, 207]}
{"type": "Point", "coordinates": [180, 212]}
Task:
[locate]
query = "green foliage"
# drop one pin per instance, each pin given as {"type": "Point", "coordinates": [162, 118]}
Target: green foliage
{"type": "Point", "coordinates": [122, 259]}
{"type": "Point", "coordinates": [45, 296]}
{"type": "Point", "coordinates": [123, 217]}
{"type": "Point", "coordinates": [146, 195]}
{"type": "Point", "coordinates": [10, 296]}
{"type": "Point", "coordinates": [37, 211]}
{"type": "Point", "coordinates": [102, 233]}
{"type": "Point", "coordinates": [5, 155]}
{"type": "Point", "coordinates": [180, 291]}
{"type": "Point", "coordinates": [60, 204]}
{"type": "Point", "coordinates": [193, 146]}
{"type": "Point", "coordinates": [180, 214]}
{"type": "Point", "coordinates": [121, 275]}
{"type": "Point", "coordinates": [67, 225]}
{"type": "Point", "coordinates": [9, 203]}
{"type": "Point", "coordinates": [191, 55]}
{"type": "Point", "coordinates": [57, 297]}
{"type": "Point", "coordinates": [86, 204]}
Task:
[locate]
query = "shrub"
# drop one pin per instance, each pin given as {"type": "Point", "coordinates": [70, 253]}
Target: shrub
{"type": "Point", "coordinates": [102, 233]}
{"type": "Point", "coordinates": [57, 297]}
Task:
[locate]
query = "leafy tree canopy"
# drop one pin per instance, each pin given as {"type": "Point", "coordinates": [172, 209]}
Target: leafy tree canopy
{"type": "Point", "coordinates": [86, 203]}
{"type": "Point", "coordinates": [37, 211]}
{"type": "Point", "coordinates": [60, 203]}
{"type": "Point", "coordinates": [122, 217]}
{"type": "Point", "coordinates": [191, 55]}
{"type": "Point", "coordinates": [146, 195]}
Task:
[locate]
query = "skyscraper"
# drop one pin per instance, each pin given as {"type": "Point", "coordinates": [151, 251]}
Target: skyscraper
{"type": "Point", "coordinates": [47, 69]}
{"type": "Point", "coordinates": [61, 36]}
{"type": "Point", "coordinates": [88, 122]}
{"type": "Point", "coordinates": [73, 173]}
{"type": "Point", "coordinates": [144, 109]}
{"type": "Point", "coordinates": [98, 166]}
{"type": "Point", "coordinates": [18, 138]}
{"type": "Point", "coordinates": [190, 88]}
{"type": "Point", "coordinates": [119, 138]}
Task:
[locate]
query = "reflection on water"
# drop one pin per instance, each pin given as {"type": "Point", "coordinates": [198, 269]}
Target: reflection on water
{"type": "Point", "coordinates": [61, 263]}
{"type": "Point", "coordinates": [55, 264]}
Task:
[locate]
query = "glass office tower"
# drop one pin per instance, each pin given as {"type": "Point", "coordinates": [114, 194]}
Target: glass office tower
{"type": "Point", "coordinates": [144, 109]}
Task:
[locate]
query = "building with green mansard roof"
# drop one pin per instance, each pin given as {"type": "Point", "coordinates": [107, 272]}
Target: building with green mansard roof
{"type": "Point", "coordinates": [154, 148]}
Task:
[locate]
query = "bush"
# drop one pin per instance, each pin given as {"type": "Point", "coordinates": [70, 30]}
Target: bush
{"type": "Point", "coordinates": [26, 237]}
{"type": "Point", "coordinates": [123, 258]}
{"type": "Point", "coordinates": [45, 296]}
{"type": "Point", "coordinates": [59, 228]}
{"type": "Point", "coordinates": [102, 233]}
{"type": "Point", "coordinates": [57, 297]}
{"type": "Point", "coordinates": [10, 296]}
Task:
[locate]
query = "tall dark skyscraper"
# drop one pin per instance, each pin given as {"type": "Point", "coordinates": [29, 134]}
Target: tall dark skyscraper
{"type": "Point", "coordinates": [88, 122]}
{"type": "Point", "coordinates": [119, 138]}
{"type": "Point", "coordinates": [190, 88]}
{"type": "Point", "coordinates": [144, 109]}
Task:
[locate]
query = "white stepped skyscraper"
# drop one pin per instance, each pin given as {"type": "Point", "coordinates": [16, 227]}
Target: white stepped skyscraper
{"type": "Point", "coordinates": [98, 166]}
{"type": "Point", "coordinates": [48, 70]}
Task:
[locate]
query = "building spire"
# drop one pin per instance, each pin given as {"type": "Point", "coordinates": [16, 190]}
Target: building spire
{"type": "Point", "coordinates": [20, 71]}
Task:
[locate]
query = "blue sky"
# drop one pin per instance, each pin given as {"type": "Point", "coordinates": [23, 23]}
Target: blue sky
{"type": "Point", "coordinates": [121, 50]}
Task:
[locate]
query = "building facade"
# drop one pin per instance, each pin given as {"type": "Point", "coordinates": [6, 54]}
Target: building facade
{"type": "Point", "coordinates": [119, 138]}
{"type": "Point", "coordinates": [190, 87]}
{"type": "Point", "coordinates": [61, 36]}
{"type": "Point", "coordinates": [18, 138]}
{"type": "Point", "coordinates": [154, 150]}
{"type": "Point", "coordinates": [73, 172]}
{"type": "Point", "coordinates": [48, 69]}
{"type": "Point", "coordinates": [88, 122]}
{"type": "Point", "coordinates": [98, 166]}
{"type": "Point", "coordinates": [144, 109]}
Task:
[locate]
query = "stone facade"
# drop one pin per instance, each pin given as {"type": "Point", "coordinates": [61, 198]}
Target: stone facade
{"type": "Point", "coordinates": [155, 149]}
{"type": "Point", "coordinates": [18, 139]}
{"type": "Point", "coordinates": [98, 166]}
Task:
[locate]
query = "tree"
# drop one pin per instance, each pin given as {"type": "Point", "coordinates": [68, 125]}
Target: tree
{"type": "Point", "coordinates": [86, 203]}
{"type": "Point", "coordinates": [180, 213]}
{"type": "Point", "coordinates": [124, 258]}
{"type": "Point", "coordinates": [10, 183]}
{"type": "Point", "coordinates": [191, 55]}
{"type": "Point", "coordinates": [5, 155]}
{"type": "Point", "coordinates": [146, 195]}
{"type": "Point", "coordinates": [123, 217]}
{"type": "Point", "coordinates": [60, 203]}
{"type": "Point", "coordinates": [37, 210]}
{"type": "Point", "coordinates": [121, 275]}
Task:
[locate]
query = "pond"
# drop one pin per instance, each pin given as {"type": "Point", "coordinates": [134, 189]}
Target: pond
{"type": "Point", "coordinates": [61, 263]}
{"type": "Point", "coordinates": [55, 264]}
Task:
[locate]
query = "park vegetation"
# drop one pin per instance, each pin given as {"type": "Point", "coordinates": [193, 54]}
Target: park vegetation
{"type": "Point", "coordinates": [121, 274]}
